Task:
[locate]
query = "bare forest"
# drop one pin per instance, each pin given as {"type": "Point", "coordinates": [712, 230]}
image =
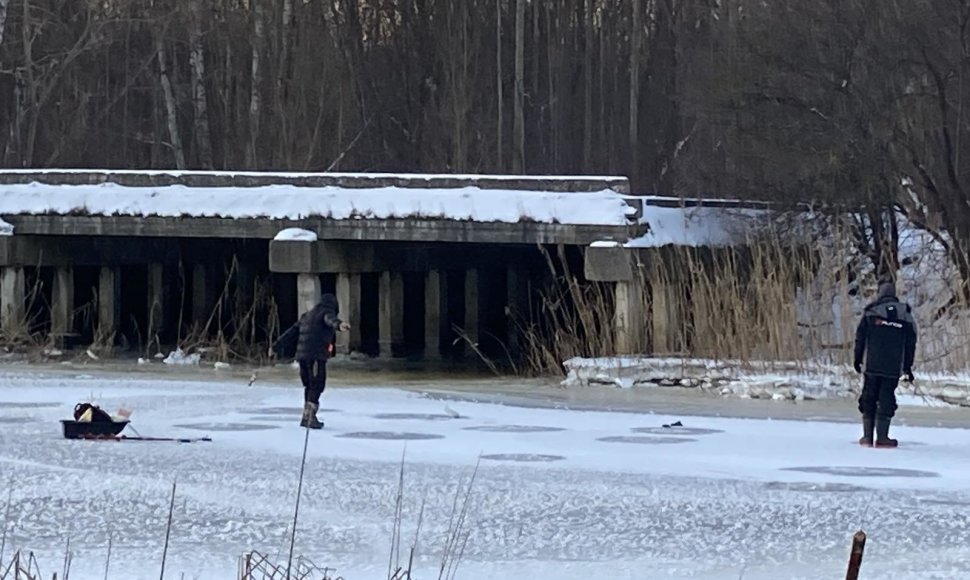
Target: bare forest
{"type": "Point", "coordinates": [846, 104]}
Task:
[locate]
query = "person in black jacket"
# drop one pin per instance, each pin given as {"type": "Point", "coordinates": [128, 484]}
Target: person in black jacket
{"type": "Point", "coordinates": [315, 334]}
{"type": "Point", "coordinates": [886, 338]}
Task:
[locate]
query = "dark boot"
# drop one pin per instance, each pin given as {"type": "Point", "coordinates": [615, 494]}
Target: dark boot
{"type": "Point", "coordinates": [882, 433]}
{"type": "Point", "coordinates": [868, 425]}
{"type": "Point", "coordinates": [310, 416]}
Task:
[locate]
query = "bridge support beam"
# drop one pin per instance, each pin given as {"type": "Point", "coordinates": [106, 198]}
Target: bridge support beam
{"type": "Point", "coordinates": [156, 301]}
{"type": "Point", "coordinates": [629, 325]}
{"type": "Point", "coordinates": [307, 292]}
{"type": "Point", "coordinates": [348, 297]}
{"type": "Point", "coordinates": [435, 313]}
{"type": "Point", "coordinates": [109, 304]}
{"type": "Point", "coordinates": [517, 308]}
{"type": "Point", "coordinates": [13, 308]}
{"type": "Point", "coordinates": [203, 293]}
{"type": "Point", "coordinates": [472, 311]}
{"type": "Point", "coordinates": [62, 304]}
{"type": "Point", "coordinates": [391, 322]}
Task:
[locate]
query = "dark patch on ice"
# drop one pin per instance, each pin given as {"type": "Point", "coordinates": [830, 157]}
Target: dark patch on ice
{"type": "Point", "coordinates": [645, 440]}
{"type": "Point", "coordinates": [810, 486]}
{"type": "Point", "coordinates": [17, 420]}
{"type": "Point", "coordinates": [523, 457]}
{"type": "Point", "coordinates": [418, 416]}
{"type": "Point", "coordinates": [675, 430]}
{"type": "Point", "coordinates": [28, 405]}
{"type": "Point", "coordinates": [298, 411]}
{"type": "Point", "coordinates": [947, 502]}
{"type": "Point", "coordinates": [275, 418]}
{"type": "Point", "coordinates": [514, 428]}
{"type": "Point", "coordinates": [852, 471]}
{"type": "Point", "coordinates": [390, 435]}
{"type": "Point", "coordinates": [227, 427]}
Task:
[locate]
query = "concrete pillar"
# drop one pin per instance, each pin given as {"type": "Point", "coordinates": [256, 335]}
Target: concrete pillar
{"type": "Point", "coordinates": [109, 302]}
{"type": "Point", "coordinates": [391, 323]}
{"type": "Point", "coordinates": [517, 308]}
{"type": "Point", "coordinates": [662, 316]}
{"type": "Point", "coordinates": [472, 296]}
{"type": "Point", "coordinates": [156, 300]}
{"type": "Point", "coordinates": [13, 307]}
{"type": "Point", "coordinates": [307, 292]}
{"type": "Point", "coordinates": [435, 313]}
{"type": "Point", "coordinates": [203, 293]}
{"type": "Point", "coordinates": [62, 302]}
{"type": "Point", "coordinates": [348, 297]}
{"type": "Point", "coordinates": [629, 324]}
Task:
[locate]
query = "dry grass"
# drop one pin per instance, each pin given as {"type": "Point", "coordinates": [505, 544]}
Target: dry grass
{"type": "Point", "coordinates": [769, 302]}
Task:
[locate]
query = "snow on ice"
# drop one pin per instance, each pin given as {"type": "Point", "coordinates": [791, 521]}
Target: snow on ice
{"type": "Point", "coordinates": [179, 357]}
{"type": "Point", "coordinates": [777, 381]}
{"type": "Point", "coordinates": [558, 494]}
{"type": "Point", "coordinates": [604, 207]}
{"type": "Point", "coordinates": [6, 229]}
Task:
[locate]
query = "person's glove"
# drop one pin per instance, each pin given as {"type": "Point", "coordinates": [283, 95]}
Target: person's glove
{"type": "Point", "coordinates": [344, 327]}
{"type": "Point", "coordinates": [857, 365]}
{"type": "Point", "coordinates": [909, 376]}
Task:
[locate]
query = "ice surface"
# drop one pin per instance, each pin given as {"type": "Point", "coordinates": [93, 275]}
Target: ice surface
{"type": "Point", "coordinates": [604, 207]}
{"type": "Point", "coordinates": [777, 499]}
{"type": "Point", "coordinates": [296, 235]}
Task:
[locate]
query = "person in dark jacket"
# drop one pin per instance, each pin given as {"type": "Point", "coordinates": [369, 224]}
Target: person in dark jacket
{"type": "Point", "coordinates": [315, 334]}
{"type": "Point", "coordinates": [886, 341]}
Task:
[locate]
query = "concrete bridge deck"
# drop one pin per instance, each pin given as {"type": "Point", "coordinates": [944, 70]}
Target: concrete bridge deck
{"type": "Point", "coordinates": [416, 260]}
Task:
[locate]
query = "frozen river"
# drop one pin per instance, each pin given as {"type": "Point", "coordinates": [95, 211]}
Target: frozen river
{"type": "Point", "coordinates": [560, 493]}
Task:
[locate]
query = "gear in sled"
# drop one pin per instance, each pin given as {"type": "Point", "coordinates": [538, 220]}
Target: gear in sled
{"type": "Point", "coordinates": [91, 422]}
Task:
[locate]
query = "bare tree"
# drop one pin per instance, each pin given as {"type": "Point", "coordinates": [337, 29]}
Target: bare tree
{"type": "Point", "coordinates": [199, 98]}
{"type": "Point", "coordinates": [500, 143]}
{"type": "Point", "coordinates": [3, 17]}
{"type": "Point", "coordinates": [518, 131]}
{"type": "Point", "coordinates": [636, 36]}
{"type": "Point", "coordinates": [171, 108]}
{"type": "Point", "coordinates": [256, 82]}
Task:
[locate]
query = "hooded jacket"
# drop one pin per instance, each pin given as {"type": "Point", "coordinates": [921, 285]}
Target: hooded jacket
{"type": "Point", "coordinates": [886, 336]}
{"type": "Point", "coordinates": [314, 332]}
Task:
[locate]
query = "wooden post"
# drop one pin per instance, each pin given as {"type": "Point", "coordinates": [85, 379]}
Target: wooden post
{"type": "Point", "coordinates": [855, 557]}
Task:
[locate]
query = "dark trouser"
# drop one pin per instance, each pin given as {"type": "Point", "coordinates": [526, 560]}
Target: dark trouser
{"type": "Point", "coordinates": [313, 375]}
{"type": "Point", "coordinates": [878, 396]}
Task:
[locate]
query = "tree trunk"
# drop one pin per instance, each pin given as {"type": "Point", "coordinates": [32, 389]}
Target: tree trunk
{"type": "Point", "coordinates": [256, 81]}
{"type": "Point", "coordinates": [28, 110]}
{"type": "Point", "coordinates": [282, 82]}
{"type": "Point", "coordinates": [518, 161]}
{"type": "Point", "coordinates": [499, 153]}
{"type": "Point", "coordinates": [588, 40]}
{"type": "Point", "coordinates": [170, 106]}
{"type": "Point", "coordinates": [635, 38]}
{"type": "Point", "coordinates": [3, 17]}
{"type": "Point", "coordinates": [199, 100]}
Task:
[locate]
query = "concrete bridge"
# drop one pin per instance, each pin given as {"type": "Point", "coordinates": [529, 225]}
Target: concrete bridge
{"type": "Point", "coordinates": [155, 257]}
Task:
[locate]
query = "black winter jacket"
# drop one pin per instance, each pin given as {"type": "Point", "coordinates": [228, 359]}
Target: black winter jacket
{"type": "Point", "coordinates": [887, 337]}
{"type": "Point", "coordinates": [314, 332]}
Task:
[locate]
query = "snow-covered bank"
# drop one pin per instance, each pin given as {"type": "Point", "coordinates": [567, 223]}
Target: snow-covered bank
{"type": "Point", "coordinates": [784, 381]}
